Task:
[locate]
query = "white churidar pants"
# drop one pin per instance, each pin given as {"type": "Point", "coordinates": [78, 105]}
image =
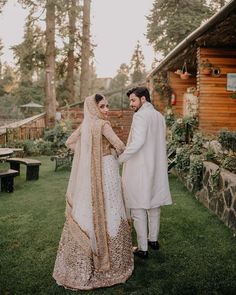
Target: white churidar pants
{"type": "Point", "coordinates": [147, 225]}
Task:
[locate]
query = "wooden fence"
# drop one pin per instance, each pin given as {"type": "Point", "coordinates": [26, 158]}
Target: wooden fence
{"type": "Point", "coordinates": [30, 128]}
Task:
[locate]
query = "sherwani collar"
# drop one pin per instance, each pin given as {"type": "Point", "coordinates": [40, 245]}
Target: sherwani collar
{"type": "Point", "coordinates": [146, 105]}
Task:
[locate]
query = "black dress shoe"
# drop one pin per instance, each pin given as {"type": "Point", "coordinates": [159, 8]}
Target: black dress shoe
{"type": "Point", "coordinates": [154, 245]}
{"type": "Point", "coordinates": [140, 253]}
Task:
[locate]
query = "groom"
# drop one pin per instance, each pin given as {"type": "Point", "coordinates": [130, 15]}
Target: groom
{"type": "Point", "coordinates": [145, 177]}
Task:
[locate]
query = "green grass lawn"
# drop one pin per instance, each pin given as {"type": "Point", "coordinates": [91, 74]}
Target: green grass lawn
{"type": "Point", "coordinates": [197, 255]}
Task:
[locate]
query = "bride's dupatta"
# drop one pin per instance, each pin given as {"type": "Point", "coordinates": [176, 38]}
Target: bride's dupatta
{"type": "Point", "coordinates": [85, 209]}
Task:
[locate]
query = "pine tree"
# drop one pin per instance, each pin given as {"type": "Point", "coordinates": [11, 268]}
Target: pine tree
{"type": "Point", "coordinates": [170, 21]}
{"type": "Point", "coordinates": [85, 51]}
{"type": "Point", "coordinates": [68, 57]}
{"type": "Point", "coordinates": [2, 3]}
{"type": "Point", "coordinates": [216, 5]}
{"type": "Point", "coordinates": [1, 48]}
{"type": "Point", "coordinates": [137, 67]}
{"type": "Point", "coordinates": [121, 78]}
{"type": "Point", "coordinates": [30, 53]}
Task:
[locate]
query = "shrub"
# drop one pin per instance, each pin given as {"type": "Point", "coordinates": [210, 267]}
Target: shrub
{"type": "Point", "coordinates": [59, 134]}
{"type": "Point", "coordinates": [31, 148]}
{"type": "Point", "coordinates": [227, 139]}
{"type": "Point", "coordinates": [195, 171]}
{"type": "Point", "coordinates": [183, 128]}
{"type": "Point", "coordinates": [183, 158]}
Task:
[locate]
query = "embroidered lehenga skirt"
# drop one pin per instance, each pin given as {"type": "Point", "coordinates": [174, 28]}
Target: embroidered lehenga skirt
{"type": "Point", "coordinates": [73, 268]}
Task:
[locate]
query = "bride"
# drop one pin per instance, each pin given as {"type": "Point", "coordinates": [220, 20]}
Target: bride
{"type": "Point", "coordinates": [95, 248]}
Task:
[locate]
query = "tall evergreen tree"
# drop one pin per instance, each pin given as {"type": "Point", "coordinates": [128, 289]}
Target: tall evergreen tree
{"type": "Point", "coordinates": [85, 51]}
{"type": "Point", "coordinates": [30, 54]}
{"type": "Point", "coordinates": [7, 79]}
{"type": "Point", "coordinates": [72, 12]}
{"type": "Point", "coordinates": [30, 58]}
{"type": "Point", "coordinates": [2, 3]}
{"type": "Point", "coordinates": [170, 21]}
{"type": "Point", "coordinates": [121, 79]}
{"type": "Point", "coordinates": [50, 90]}
{"type": "Point", "coordinates": [137, 67]}
{"type": "Point", "coordinates": [69, 19]}
{"type": "Point", "coordinates": [217, 4]}
{"type": "Point", "coordinates": [1, 48]}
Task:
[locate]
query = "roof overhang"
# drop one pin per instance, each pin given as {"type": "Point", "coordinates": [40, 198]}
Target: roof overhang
{"type": "Point", "coordinates": [219, 31]}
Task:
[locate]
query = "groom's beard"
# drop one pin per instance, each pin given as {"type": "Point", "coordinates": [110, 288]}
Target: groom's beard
{"type": "Point", "coordinates": [138, 107]}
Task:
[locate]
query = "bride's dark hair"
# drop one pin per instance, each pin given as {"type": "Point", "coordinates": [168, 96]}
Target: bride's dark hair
{"type": "Point", "coordinates": [98, 97]}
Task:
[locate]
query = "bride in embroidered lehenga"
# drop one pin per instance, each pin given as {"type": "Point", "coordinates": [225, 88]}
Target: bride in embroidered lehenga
{"type": "Point", "coordinates": [95, 249]}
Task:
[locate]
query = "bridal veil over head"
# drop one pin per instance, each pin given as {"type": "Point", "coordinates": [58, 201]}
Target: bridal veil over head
{"type": "Point", "coordinates": [85, 200]}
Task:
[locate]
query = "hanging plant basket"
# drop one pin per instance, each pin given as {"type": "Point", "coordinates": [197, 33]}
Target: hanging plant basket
{"type": "Point", "coordinates": [184, 74]}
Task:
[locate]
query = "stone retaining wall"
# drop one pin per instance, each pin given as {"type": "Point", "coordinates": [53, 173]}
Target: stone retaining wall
{"type": "Point", "coordinates": [218, 193]}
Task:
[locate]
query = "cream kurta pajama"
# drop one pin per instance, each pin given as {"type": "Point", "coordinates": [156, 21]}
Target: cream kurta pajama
{"type": "Point", "coordinates": [145, 176]}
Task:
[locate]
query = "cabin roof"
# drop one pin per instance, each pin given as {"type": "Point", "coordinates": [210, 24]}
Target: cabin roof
{"type": "Point", "coordinates": [217, 32]}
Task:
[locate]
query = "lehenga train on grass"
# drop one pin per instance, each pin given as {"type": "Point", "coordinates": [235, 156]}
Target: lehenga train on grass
{"type": "Point", "coordinates": [95, 248]}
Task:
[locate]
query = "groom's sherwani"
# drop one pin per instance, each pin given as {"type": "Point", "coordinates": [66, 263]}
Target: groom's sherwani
{"type": "Point", "coordinates": [145, 176]}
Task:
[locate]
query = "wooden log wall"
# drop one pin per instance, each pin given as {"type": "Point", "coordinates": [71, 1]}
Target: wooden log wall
{"type": "Point", "coordinates": [179, 87]}
{"type": "Point", "coordinates": [217, 109]}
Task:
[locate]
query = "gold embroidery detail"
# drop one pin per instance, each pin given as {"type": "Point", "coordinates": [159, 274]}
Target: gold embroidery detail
{"type": "Point", "coordinates": [76, 271]}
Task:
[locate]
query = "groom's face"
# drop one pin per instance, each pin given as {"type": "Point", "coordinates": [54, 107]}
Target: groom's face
{"type": "Point", "coordinates": [135, 102]}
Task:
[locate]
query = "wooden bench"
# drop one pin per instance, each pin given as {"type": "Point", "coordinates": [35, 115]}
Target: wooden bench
{"type": "Point", "coordinates": [32, 167]}
{"type": "Point", "coordinates": [7, 180]}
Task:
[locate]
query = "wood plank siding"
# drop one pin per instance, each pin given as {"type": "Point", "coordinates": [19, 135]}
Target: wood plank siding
{"type": "Point", "coordinates": [217, 109]}
{"type": "Point", "coordinates": [179, 87]}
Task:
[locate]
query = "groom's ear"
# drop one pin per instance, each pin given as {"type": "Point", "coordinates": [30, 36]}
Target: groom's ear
{"type": "Point", "coordinates": [143, 99]}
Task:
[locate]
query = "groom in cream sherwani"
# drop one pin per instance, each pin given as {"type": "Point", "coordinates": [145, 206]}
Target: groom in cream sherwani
{"type": "Point", "coordinates": [145, 176]}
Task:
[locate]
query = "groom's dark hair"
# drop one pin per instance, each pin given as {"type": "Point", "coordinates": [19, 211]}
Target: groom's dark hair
{"type": "Point", "coordinates": [139, 92]}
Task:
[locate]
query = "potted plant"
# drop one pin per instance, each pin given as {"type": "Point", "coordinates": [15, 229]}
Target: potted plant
{"type": "Point", "coordinates": [206, 67]}
{"type": "Point", "coordinates": [233, 95]}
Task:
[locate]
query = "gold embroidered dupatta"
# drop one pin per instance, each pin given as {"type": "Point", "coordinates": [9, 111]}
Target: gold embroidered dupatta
{"type": "Point", "coordinates": [85, 210]}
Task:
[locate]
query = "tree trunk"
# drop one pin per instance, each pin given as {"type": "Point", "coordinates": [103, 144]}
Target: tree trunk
{"type": "Point", "coordinates": [70, 83]}
{"type": "Point", "coordinates": [85, 51]}
{"type": "Point", "coordinates": [50, 93]}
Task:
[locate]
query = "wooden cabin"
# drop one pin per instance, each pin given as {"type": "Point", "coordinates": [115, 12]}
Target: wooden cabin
{"type": "Point", "coordinates": [209, 96]}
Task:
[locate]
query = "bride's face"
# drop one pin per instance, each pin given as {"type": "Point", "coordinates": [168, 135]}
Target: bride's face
{"type": "Point", "coordinates": [103, 107]}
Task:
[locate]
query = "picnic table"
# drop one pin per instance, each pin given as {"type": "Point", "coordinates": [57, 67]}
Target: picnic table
{"type": "Point", "coordinates": [6, 175]}
{"type": "Point", "coordinates": [5, 152]}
